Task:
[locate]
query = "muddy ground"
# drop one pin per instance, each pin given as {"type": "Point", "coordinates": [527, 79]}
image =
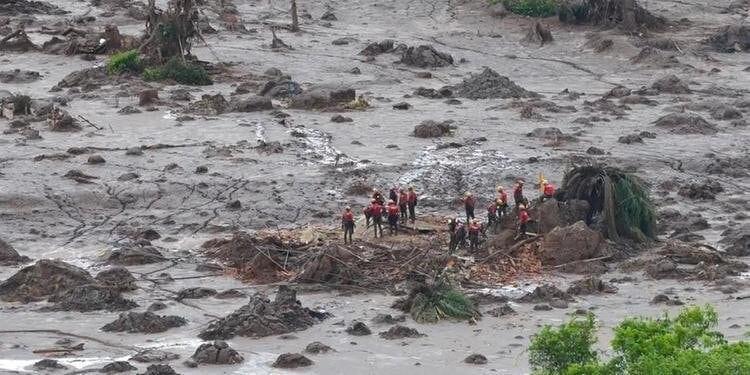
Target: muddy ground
{"type": "Point", "coordinates": [320, 165]}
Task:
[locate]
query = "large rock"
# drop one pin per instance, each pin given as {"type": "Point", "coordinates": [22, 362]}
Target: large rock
{"type": "Point", "coordinates": [433, 129]}
{"type": "Point", "coordinates": [43, 279]}
{"type": "Point", "coordinates": [251, 104]}
{"type": "Point", "coordinates": [88, 76]}
{"type": "Point", "coordinates": [90, 298]}
{"type": "Point", "coordinates": [262, 317]}
{"type": "Point", "coordinates": [9, 255]}
{"type": "Point", "coordinates": [736, 241]}
{"type": "Point", "coordinates": [315, 99]}
{"type": "Point", "coordinates": [292, 360]}
{"type": "Point", "coordinates": [552, 213]}
{"type": "Point", "coordinates": [145, 322]}
{"type": "Point", "coordinates": [117, 367]}
{"type": "Point", "coordinates": [118, 278]}
{"type": "Point", "coordinates": [572, 243]}
{"type": "Point", "coordinates": [425, 56]}
{"type": "Point", "coordinates": [671, 84]}
{"type": "Point", "coordinates": [134, 255]}
{"type": "Point", "coordinates": [217, 353]}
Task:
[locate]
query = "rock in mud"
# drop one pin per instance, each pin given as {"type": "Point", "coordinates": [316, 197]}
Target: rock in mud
{"type": "Point", "coordinates": [130, 176]}
{"type": "Point", "coordinates": [686, 123]}
{"type": "Point", "coordinates": [88, 76]}
{"type": "Point", "coordinates": [388, 319]}
{"type": "Point", "coordinates": [118, 278]}
{"type": "Point", "coordinates": [217, 353]}
{"type": "Point", "coordinates": [476, 359]}
{"type": "Point", "coordinates": [328, 16]}
{"type": "Point", "coordinates": [340, 119]}
{"type": "Point", "coordinates": [433, 129]}
{"type": "Point", "coordinates": [402, 106]}
{"type": "Point", "coordinates": [425, 56]}
{"type": "Point", "coordinates": [590, 285]}
{"type": "Point", "coordinates": [262, 317]}
{"type": "Point", "coordinates": [156, 306]}
{"type": "Point", "coordinates": [377, 48]}
{"type": "Point", "coordinates": [195, 293]}
{"type": "Point", "coordinates": [502, 310]}
{"type": "Point", "coordinates": [90, 297]}
{"type": "Point", "coordinates": [551, 134]}
{"type": "Point", "coordinates": [705, 191]}
{"type": "Point", "coordinates": [134, 255]}
{"type": "Point", "coordinates": [572, 243]}
{"type": "Point", "coordinates": [665, 269]}
{"type": "Point", "coordinates": [489, 85]}
{"type": "Point", "coordinates": [736, 241]}
{"type": "Point", "coordinates": [595, 151]}
{"type": "Point", "coordinates": [160, 369]}
{"type": "Point", "coordinates": [317, 347]}
{"type": "Point", "coordinates": [725, 112]}
{"type": "Point", "coordinates": [729, 39]}
{"type": "Point", "coordinates": [210, 105]}
{"type": "Point", "coordinates": [230, 293]}
{"type": "Point", "coordinates": [292, 360]}
{"type": "Point", "coordinates": [664, 299]}
{"type": "Point", "coordinates": [79, 176]}
{"type": "Point", "coordinates": [154, 355]}
{"type": "Point", "coordinates": [314, 99]}
{"type": "Point", "coordinates": [280, 88]}
{"type": "Point", "coordinates": [400, 332]}
{"type": "Point", "coordinates": [251, 104]}
{"type": "Point", "coordinates": [545, 293]}
{"type": "Point", "coordinates": [19, 76]}
{"type": "Point", "coordinates": [23, 7]}
{"type": "Point", "coordinates": [128, 110]}
{"type": "Point", "coordinates": [654, 58]}
{"type": "Point", "coordinates": [144, 322]}
{"type": "Point", "coordinates": [95, 159]}
{"type": "Point", "coordinates": [538, 34]}
{"type": "Point", "coordinates": [441, 93]}
{"type": "Point", "coordinates": [9, 255]}
{"type": "Point", "coordinates": [543, 307]}
{"type": "Point", "coordinates": [358, 329]}
{"type": "Point", "coordinates": [43, 279]}
{"type": "Point", "coordinates": [117, 367]}
{"type": "Point", "coordinates": [48, 364]}
{"type": "Point", "coordinates": [630, 139]}
{"type": "Point", "coordinates": [671, 84]}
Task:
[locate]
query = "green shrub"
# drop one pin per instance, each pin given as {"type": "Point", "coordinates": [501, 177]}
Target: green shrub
{"type": "Point", "coordinates": [182, 72]}
{"type": "Point", "coordinates": [532, 8]}
{"type": "Point", "coordinates": [685, 345]}
{"type": "Point", "coordinates": [576, 13]}
{"type": "Point", "coordinates": [127, 61]}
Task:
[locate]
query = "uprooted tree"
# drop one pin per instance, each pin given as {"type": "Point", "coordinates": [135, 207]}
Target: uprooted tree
{"type": "Point", "coordinates": [170, 33]}
{"type": "Point", "coordinates": [628, 15]}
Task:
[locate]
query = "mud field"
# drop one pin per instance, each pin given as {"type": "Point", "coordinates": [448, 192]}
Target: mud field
{"type": "Point", "coordinates": [143, 183]}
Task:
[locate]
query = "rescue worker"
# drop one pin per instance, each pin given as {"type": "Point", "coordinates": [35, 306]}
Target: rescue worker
{"type": "Point", "coordinates": [393, 194]}
{"type": "Point", "coordinates": [548, 190]}
{"type": "Point", "coordinates": [492, 215]}
{"type": "Point", "coordinates": [523, 219]}
{"type": "Point", "coordinates": [403, 199]}
{"type": "Point", "coordinates": [469, 203]}
{"type": "Point", "coordinates": [378, 196]}
{"type": "Point", "coordinates": [453, 242]}
{"type": "Point", "coordinates": [368, 213]}
{"type": "Point", "coordinates": [460, 234]}
{"type": "Point", "coordinates": [412, 203]}
{"type": "Point", "coordinates": [392, 210]}
{"type": "Point", "coordinates": [474, 229]}
{"type": "Point", "coordinates": [518, 194]}
{"type": "Point", "coordinates": [502, 203]}
{"type": "Point", "coordinates": [376, 210]}
{"type": "Point", "coordinates": [347, 224]}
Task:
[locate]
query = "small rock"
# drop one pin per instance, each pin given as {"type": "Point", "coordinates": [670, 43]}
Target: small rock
{"type": "Point", "coordinates": [128, 110]}
{"type": "Point", "coordinates": [48, 364]}
{"type": "Point", "coordinates": [402, 106]}
{"type": "Point", "coordinates": [217, 353]}
{"type": "Point", "coordinates": [399, 332]}
{"type": "Point", "coordinates": [128, 176]}
{"type": "Point", "coordinates": [95, 159]}
{"type": "Point", "coordinates": [317, 347]}
{"type": "Point", "coordinates": [388, 319]}
{"type": "Point", "coordinates": [160, 369]}
{"type": "Point", "coordinates": [148, 97]}
{"type": "Point", "coordinates": [358, 329]}
{"type": "Point", "coordinates": [292, 360]}
{"type": "Point", "coordinates": [328, 16]}
{"type": "Point", "coordinates": [201, 169]}
{"type": "Point", "coordinates": [340, 118]}
{"type": "Point", "coordinates": [476, 359]}
{"type": "Point", "coordinates": [595, 151]}
{"type": "Point", "coordinates": [542, 307]}
{"type": "Point", "coordinates": [118, 366]}
{"type": "Point", "coordinates": [134, 151]}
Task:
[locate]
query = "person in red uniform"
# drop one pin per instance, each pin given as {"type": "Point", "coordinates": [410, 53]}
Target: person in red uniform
{"type": "Point", "coordinates": [347, 223]}
{"type": "Point", "coordinates": [469, 203]}
{"type": "Point", "coordinates": [403, 200]}
{"type": "Point", "coordinates": [378, 196]}
{"type": "Point", "coordinates": [518, 194]}
{"type": "Point", "coordinates": [376, 210]}
{"type": "Point", "coordinates": [523, 219]}
{"type": "Point", "coordinates": [460, 235]}
{"type": "Point", "coordinates": [453, 239]}
{"type": "Point", "coordinates": [548, 189]}
{"type": "Point", "coordinates": [393, 193]}
{"type": "Point", "coordinates": [392, 211]}
{"type": "Point", "coordinates": [502, 203]}
{"type": "Point", "coordinates": [492, 215]}
{"type": "Point", "coordinates": [411, 202]}
{"type": "Point", "coordinates": [474, 229]}
{"type": "Point", "coordinates": [368, 213]}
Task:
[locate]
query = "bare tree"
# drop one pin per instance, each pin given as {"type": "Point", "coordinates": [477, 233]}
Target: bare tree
{"type": "Point", "coordinates": [295, 18]}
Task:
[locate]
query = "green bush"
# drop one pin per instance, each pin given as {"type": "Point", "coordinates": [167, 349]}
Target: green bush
{"type": "Point", "coordinates": [685, 345]}
{"type": "Point", "coordinates": [182, 72]}
{"type": "Point", "coordinates": [127, 61]}
{"type": "Point", "coordinates": [532, 8]}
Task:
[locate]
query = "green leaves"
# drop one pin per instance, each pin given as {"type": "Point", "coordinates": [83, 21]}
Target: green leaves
{"type": "Point", "coordinates": [441, 301]}
{"type": "Point", "coordinates": [128, 61]}
{"type": "Point", "coordinates": [182, 72]}
{"type": "Point", "coordinates": [532, 8]}
{"type": "Point", "coordinates": [554, 350]}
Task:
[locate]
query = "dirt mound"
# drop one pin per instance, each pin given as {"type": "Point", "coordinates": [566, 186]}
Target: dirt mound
{"type": "Point", "coordinates": [590, 285]}
{"type": "Point", "coordinates": [292, 360]}
{"type": "Point", "coordinates": [19, 7]}
{"type": "Point", "coordinates": [681, 252]}
{"type": "Point", "coordinates": [537, 34]}
{"type": "Point", "coordinates": [425, 56]}
{"type": "Point", "coordinates": [652, 57]}
{"type": "Point", "coordinates": [262, 317]}
{"type": "Point", "coordinates": [9, 255]}
{"type": "Point", "coordinates": [195, 293]}
{"type": "Point", "coordinates": [358, 329]}
{"type": "Point", "coordinates": [136, 254]}
{"type": "Point", "coordinates": [725, 112]}
{"type": "Point", "coordinates": [160, 369]}
{"type": "Point", "coordinates": [117, 367]}
{"type": "Point", "coordinates": [489, 85]}
{"type": "Point", "coordinates": [19, 76]}
{"type": "Point", "coordinates": [144, 322]}
{"type": "Point", "coordinates": [734, 38]}
{"type": "Point", "coordinates": [388, 319]}
{"type": "Point", "coordinates": [86, 77]}
{"type": "Point", "coordinates": [327, 267]}
{"type": "Point", "coordinates": [686, 123]}
{"type": "Point", "coordinates": [385, 46]}
{"type": "Point", "coordinates": [671, 84]}
{"type": "Point", "coordinates": [433, 129]}
{"type": "Point", "coordinates": [217, 353]}
{"type": "Point", "coordinates": [90, 298]}
{"type": "Point", "coordinates": [398, 332]}
{"type": "Point", "coordinates": [118, 278]}
{"type": "Point", "coordinates": [706, 190]}
{"type": "Point", "coordinates": [736, 240]}
{"type": "Point", "coordinates": [572, 243]}
{"type": "Point", "coordinates": [546, 294]}
{"type": "Point", "coordinates": [317, 347]}
{"type": "Point", "coordinates": [43, 279]}
{"type": "Point", "coordinates": [502, 310]}
{"type": "Point", "coordinates": [476, 359]}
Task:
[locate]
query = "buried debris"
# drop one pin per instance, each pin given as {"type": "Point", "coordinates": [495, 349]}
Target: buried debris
{"type": "Point", "coordinates": [358, 329]}
{"type": "Point", "coordinates": [262, 317]}
{"type": "Point", "coordinates": [217, 353]}
{"type": "Point", "coordinates": [145, 322]}
{"type": "Point", "coordinates": [476, 359]}
{"type": "Point", "coordinates": [43, 279]}
{"type": "Point", "coordinates": [627, 15]}
{"type": "Point", "coordinates": [398, 332]}
{"type": "Point", "coordinates": [732, 38]}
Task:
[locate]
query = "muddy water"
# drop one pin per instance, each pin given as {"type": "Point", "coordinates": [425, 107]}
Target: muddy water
{"type": "Point", "coordinates": [47, 216]}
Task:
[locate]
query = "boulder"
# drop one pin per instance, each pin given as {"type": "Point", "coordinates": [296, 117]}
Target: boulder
{"type": "Point", "coordinates": [476, 359]}
{"type": "Point", "coordinates": [292, 360]}
{"type": "Point", "coordinates": [425, 56]}
{"type": "Point", "coordinates": [317, 347]}
{"type": "Point", "coordinates": [90, 297]}
{"type": "Point", "coordinates": [251, 104]}
{"type": "Point", "coordinates": [433, 129]}
{"type": "Point", "coordinates": [398, 332]}
{"type": "Point", "coordinates": [135, 254]}
{"type": "Point", "coordinates": [144, 322]}
{"type": "Point", "coordinates": [43, 279]}
{"type": "Point", "coordinates": [9, 255]}
{"type": "Point", "coordinates": [590, 285]}
{"type": "Point", "coordinates": [358, 329]}
{"type": "Point", "coordinates": [217, 353]}
{"type": "Point", "coordinates": [117, 367]}
{"type": "Point", "coordinates": [572, 243]}
{"type": "Point", "coordinates": [160, 369]}
{"type": "Point", "coordinates": [195, 293]}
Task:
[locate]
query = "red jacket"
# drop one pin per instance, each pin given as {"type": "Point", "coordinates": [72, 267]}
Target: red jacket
{"type": "Point", "coordinates": [523, 217]}
{"type": "Point", "coordinates": [469, 201]}
{"type": "Point", "coordinates": [367, 211]}
{"type": "Point", "coordinates": [549, 190]}
{"type": "Point", "coordinates": [492, 208]}
{"type": "Point", "coordinates": [347, 217]}
{"type": "Point", "coordinates": [392, 210]}
{"type": "Point", "coordinates": [475, 228]}
{"type": "Point", "coordinates": [403, 198]}
{"type": "Point", "coordinates": [504, 197]}
{"type": "Point", "coordinates": [376, 209]}
{"type": "Point", "coordinates": [412, 198]}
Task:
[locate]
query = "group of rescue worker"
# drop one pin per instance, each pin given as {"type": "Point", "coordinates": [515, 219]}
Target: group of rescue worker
{"type": "Point", "coordinates": [402, 204]}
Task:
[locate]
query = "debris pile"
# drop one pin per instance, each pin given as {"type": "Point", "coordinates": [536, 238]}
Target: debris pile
{"type": "Point", "coordinates": [145, 322]}
{"type": "Point", "coordinates": [425, 56]}
{"type": "Point", "coordinates": [489, 85]}
{"type": "Point", "coordinates": [43, 279]}
{"type": "Point", "coordinates": [217, 353]}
